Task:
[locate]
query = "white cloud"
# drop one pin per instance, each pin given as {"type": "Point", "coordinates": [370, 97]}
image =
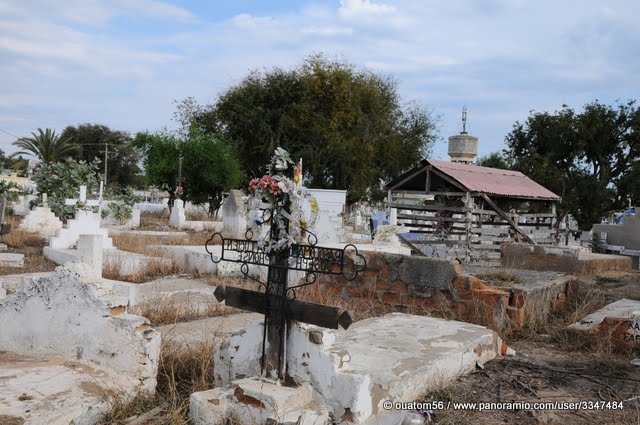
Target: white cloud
{"type": "Point", "coordinates": [359, 8]}
{"type": "Point", "coordinates": [500, 57]}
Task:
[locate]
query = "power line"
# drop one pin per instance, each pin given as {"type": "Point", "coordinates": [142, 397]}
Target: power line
{"type": "Point", "coordinates": [5, 131]}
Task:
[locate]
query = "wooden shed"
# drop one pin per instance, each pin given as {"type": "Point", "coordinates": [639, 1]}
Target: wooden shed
{"type": "Point", "coordinates": [470, 207]}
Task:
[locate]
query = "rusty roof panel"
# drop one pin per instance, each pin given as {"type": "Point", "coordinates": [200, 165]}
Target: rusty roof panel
{"type": "Point", "coordinates": [493, 181]}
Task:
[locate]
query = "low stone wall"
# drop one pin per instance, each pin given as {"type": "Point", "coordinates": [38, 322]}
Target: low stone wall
{"type": "Point", "coordinates": [562, 259]}
{"type": "Point", "coordinates": [427, 286]}
{"type": "Point", "coordinates": [60, 315]}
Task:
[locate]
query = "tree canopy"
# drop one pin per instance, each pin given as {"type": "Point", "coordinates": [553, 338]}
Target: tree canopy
{"type": "Point", "coordinates": [494, 160]}
{"type": "Point", "coordinates": [122, 157]}
{"type": "Point", "coordinates": [348, 125]}
{"type": "Point", "coordinates": [210, 167]}
{"type": "Point", "coordinates": [590, 158]}
{"type": "Point", "coordinates": [61, 180]}
{"type": "Point", "coordinates": [46, 146]}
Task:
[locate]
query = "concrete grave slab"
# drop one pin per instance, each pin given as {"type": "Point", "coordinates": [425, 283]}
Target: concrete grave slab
{"type": "Point", "coordinates": [8, 259]}
{"type": "Point", "coordinates": [256, 402]}
{"type": "Point", "coordinates": [208, 330]}
{"type": "Point", "coordinates": [185, 294]}
{"type": "Point", "coordinates": [563, 259]}
{"type": "Point", "coordinates": [54, 390]}
{"type": "Point", "coordinates": [395, 357]}
{"type": "Point", "coordinates": [620, 318]}
{"type": "Point", "coordinates": [117, 231]}
{"type": "Point", "coordinates": [61, 315]}
{"type": "Point", "coordinates": [123, 262]}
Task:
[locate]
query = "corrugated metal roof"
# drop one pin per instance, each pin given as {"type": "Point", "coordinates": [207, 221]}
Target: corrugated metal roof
{"type": "Point", "coordinates": [493, 181]}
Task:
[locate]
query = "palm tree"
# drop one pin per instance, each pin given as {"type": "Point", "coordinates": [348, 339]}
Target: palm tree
{"type": "Point", "coordinates": [46, 146]}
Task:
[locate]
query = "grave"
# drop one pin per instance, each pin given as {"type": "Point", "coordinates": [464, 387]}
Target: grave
{"type": "Point", "coordinates": [8, 259]}
{"type": "Point", "coordinates": [563, 259]}
{"type": "Point", "coordinates": [397, 357]}
{"type": "Point", "coordinates": [185, 295]}
{"type": "Point", "coordinates": [351, 372]}
{"type": "Point", "coordinates": [233, 215]}
{"type": "Point", "coordinates": [65, 348]}
{"type": "Point", "coordinates": [620, 319]}
{"type": "Point", "coordinates": [41, 220]}
{"type": "Point", "coordinates": [623, 238]}
{"type": "Point", "coordinates": [178, 220]}
{"type": "Point", "coordinates": [85, 223]}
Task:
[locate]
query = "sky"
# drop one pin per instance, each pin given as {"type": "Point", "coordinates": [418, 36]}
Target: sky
{"type": "Point", "coordinates": [124, 63]}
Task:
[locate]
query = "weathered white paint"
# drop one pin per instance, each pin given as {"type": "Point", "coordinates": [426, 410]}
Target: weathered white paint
{"type": "Point", "coordinates": [329, 200]}
{"type": "Point", "coordinates": [90, 252]}
{"type": "Point", "coordinates": [41, 221]}
{"type": "Point", "coordinates": [8, 259]}
{"type": "Point", "coordinates": [256, 402]}
{"type": "Point", "coordinates": [396, 357]}
{"type": "Point", "coordinates": [233, 215]}
{"type": "Point", "coordinates": [60, 315]}
{"type": "Point", "coordinates": [85, 223]}
{"type": "Point", "coordinates": [177, 217]}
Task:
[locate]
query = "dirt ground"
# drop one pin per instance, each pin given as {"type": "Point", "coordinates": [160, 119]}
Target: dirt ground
{"type": "Point", "coordinates": [556, 365]}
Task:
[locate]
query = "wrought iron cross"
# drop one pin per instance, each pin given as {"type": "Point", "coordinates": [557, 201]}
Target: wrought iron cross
{"type": "Point", "coordinates": [277, 301]}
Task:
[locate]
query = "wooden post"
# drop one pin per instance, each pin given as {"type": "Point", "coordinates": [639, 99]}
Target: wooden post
{"type": "Point", "coordinates": [469, 216]}
{"type": "Point", "coordinates": [505, 217]}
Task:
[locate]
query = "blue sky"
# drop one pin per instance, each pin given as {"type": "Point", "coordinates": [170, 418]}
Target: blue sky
{"type": "Point", "coordinates": [122, 63]}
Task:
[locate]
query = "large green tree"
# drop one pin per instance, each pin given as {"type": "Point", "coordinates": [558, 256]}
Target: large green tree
{"type": "Point", "coordinates": [46, 146]}
{"type": "Point", "coordinates": [212, 168]}
{"type": "Point", "coordinates": [589, 157]}
{"type": "Point", "coordinates": [122, 158]}
{"type": "Point", "coordinates": [160, 155]}
{"type": "Point", "coordinates": [209, 166]}
{"type": "Point", "coordinates": [348, 125]}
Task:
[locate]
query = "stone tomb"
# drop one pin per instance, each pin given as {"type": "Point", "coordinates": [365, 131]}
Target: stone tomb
{"type": "Point", "coordinates": [84, 223]}
{"type": "Point", "coordinates": [42, 221]}
{"type": "Point", "coordinates": [345, 374]}
{"type": "Point", "coordinates": [65, 349]}
{"type": "Point", "coordinates": [620, 319]}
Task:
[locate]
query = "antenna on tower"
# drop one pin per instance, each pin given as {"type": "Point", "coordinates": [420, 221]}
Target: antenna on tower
{"type": "Point", "coordinates": [464, 120]}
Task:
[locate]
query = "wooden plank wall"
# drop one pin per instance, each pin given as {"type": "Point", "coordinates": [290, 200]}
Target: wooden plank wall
{"type": "Point", "coordinates": [482, 229]}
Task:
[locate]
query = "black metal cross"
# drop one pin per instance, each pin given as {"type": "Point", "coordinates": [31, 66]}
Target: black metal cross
{"type": "Point", "coordinates": [277, 301]}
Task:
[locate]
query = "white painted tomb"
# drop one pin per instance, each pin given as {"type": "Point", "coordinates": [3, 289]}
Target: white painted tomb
{"type": "Point", "coordinates": [41, 220]}
{"type": "Point", "coordinates": [397, 357]}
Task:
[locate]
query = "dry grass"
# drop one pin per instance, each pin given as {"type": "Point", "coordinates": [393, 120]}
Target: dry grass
{"type": "Point", "coordinates": [174, 311]}
{"type": "Point", "coordinates": [138, 243]}
{"type": "Point", "coordinates": [153, 269]}
{"type": "Point", "coordinates": [183, 370]}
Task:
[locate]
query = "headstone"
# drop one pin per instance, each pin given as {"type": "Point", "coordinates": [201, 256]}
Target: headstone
{"type": "Point", "coordinates": [177, 218]}
{"type": "Point", "coordinates": [233, 215]}
{"type": "Point", "coordinates": [90, 252]}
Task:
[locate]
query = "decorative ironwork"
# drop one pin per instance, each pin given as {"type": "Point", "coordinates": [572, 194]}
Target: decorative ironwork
{"type": "Point", "coordinates": [276, 299]}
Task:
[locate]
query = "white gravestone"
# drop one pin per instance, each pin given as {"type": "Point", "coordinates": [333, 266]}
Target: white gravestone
{"type": "Point", "coordinates": [233, 215]}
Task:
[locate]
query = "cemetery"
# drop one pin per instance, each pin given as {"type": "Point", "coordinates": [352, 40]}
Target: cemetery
{"type": "Point", "coordinates": [284, 310]}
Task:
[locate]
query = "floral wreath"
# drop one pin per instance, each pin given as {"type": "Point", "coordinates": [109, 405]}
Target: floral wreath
{"type": "Point", "coordinates": [275, 196]}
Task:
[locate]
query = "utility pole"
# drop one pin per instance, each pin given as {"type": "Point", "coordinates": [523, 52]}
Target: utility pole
{"type": "Point", "coordinates": [106, 150]}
